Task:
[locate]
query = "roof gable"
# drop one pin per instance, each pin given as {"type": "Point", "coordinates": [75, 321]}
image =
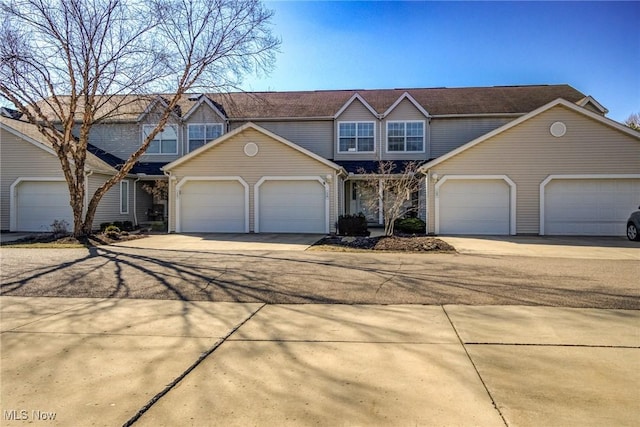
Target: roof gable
{"type": "Point", "coordinates": [411, 99]}
{"type": "Point", "coordinates": [29, 133]}
{"type": "Point", "coordinates": [589, 100]}
{"type": "Point", "coordinates": [238, 131]}
{"type": "Point", "coordinates": [152, 105]}
{"type": "Point", "coordinates": [570, 105]}
{"type": "Point", "coordinates": [356, 96]}
{"type": "Point", "coordinates": [204, 100]}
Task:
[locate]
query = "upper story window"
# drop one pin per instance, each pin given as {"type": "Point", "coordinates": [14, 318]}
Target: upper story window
{"type": "Point", "coordinates": [356, 137]}
{"type": "Point", "coordinates": [165, 142]}
{"type": "Point", "coordinates": [405, 136]}
{"type": "Point", "coordinates": [202, 133]}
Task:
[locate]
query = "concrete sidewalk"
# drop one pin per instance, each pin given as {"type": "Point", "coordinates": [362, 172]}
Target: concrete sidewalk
{"type": "Point", "coordinates": [155, 362]}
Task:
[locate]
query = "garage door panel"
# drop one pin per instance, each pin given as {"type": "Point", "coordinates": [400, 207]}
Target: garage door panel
{"type": "Point", "coordinates": [474, 207]}
{"type": "Point", "coordinates": [296, 206]}
{"type": "Point", "coordinates": [212, 206]}
{"type": "Point", "coordinates": [39, 203]}
{"type": "Point", "coordinates": [596, 207]}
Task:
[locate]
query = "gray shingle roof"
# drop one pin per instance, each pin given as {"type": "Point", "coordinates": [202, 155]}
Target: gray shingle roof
{"type": "Point", "coordinates": [326, 103]}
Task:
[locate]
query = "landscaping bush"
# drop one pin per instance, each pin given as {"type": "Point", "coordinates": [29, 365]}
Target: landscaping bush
{"type": "Point", "coordinates": [60, 228]}
{"type": "Point", "coordinates": [352, 225]}
{"type": "Point", "coordinates": [112, 232]}
{"type": "Point", "coordinates": [410, 226]}
{"type": "Point", "coordinates": [122, 225]}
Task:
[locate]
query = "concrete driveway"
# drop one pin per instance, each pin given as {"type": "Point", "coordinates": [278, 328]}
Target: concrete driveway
{"type": "Point", "coordinates": [577, 247]}
{"type": "Point", "coordinates": [225, 242]}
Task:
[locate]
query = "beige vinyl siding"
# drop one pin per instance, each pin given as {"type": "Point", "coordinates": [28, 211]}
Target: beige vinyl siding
{"type": "Point", "coordinates": [109, 206]}
{"type": "Point", "coordinates": [314, 135]}
{"type": "Point", "coordinates": [273, 159]}
{"type": "Point", "coordinates": [450, 133]}
{"type": "Point", "coordinates": [357, 112]}
{"type": "Point", "coordinates": [21, 158]}
{"type": "Point", "coordinates": [528, 154]}
{"type": "Point", "coordinates": [405, 111]}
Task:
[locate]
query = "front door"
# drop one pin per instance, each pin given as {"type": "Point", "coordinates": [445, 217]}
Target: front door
{"type": "Point", "coordinates": [365, 200]}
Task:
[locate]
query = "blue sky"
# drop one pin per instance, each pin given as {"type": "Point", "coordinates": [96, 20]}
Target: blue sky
{"type": "Point", "coordinates": [593, 46]}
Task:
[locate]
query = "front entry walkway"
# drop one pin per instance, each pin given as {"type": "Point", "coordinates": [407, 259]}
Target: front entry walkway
{"type": "Point", "coordinates": [225, 242]}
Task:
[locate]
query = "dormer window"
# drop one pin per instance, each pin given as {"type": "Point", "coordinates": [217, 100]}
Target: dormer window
{"type": "Point", "coordinates": [356, 137]}
{"type": "Point", "coordinates": [405, 136]}
{"type": "Point", "coordinates": [200, 134]}
{"type": "Point", "coordinates": [165, 142]}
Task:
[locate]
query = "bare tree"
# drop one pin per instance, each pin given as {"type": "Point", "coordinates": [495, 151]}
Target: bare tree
{"type": "Point", "coordinates": [396, 187]}
{"type": "Point", "coordinates": [633, 121]}
{"type": "Point", "coordinates": [68, 65]}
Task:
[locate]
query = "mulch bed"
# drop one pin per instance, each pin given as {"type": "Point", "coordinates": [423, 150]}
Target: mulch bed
{"type": "Point", "coordinates": [385, 243]}
{"type": "Point", "coordinates": [92, 240]}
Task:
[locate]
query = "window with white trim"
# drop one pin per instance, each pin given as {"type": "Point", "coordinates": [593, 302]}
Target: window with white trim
{"type": "Point", "coordinates": [165, 142]}
{"type": "Point", "coordinates": [124, 197]}
{"type": "Point", "coordinates": [200, 134]}
{"type": "Point", "coordinates": [356, 137]}
{"type": "Point", "coordinates": [405, 136]}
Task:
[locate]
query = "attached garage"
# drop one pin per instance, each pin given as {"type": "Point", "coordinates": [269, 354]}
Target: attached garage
{"type": "Point", "coordinates": [40, 202]}
{"type": "Point", "coordinates": [287, 205]}
{"type": "Point", "coordinates": [212, 205]}
{"type": "Point", "coordinates": [474, 205]}
{"type": "Point", "coordinates": [583, 205]}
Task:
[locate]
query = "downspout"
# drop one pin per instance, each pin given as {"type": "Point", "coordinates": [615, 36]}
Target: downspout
{"type": "Point", "coordinates": [380, 138]}
{"type": "Point", "coordinates": [135, 201]}
{"type": "Point", "coordinates": [169, 200]}
{"type": "Point", "coordinates": [426, 201]}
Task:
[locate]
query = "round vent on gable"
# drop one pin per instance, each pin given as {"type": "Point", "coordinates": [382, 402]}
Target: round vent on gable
{"type": "Point", "coordinates": [558, 129]}
{"type": "Point", "coordinates": [251, 149]}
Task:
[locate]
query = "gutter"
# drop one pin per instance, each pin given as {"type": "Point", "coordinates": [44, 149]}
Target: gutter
{"type": "Point", "coordinates": [457, 116]}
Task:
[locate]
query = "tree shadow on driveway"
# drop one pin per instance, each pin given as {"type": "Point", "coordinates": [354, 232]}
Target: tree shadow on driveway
{"type": "Point", "coordinates": [319, 277]}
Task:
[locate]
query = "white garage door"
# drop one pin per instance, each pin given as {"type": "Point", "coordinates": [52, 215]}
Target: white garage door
{"type": "Point", "coordinates": [292, 207]}
{"type": "Point", "coordinates": [478, 206]}
{"type": "Point", "coordinates": [589, 207]}
{"type": "Point", "coordinates": [212, 207]}
{"type": "Point", "coordinates": [39, 203]}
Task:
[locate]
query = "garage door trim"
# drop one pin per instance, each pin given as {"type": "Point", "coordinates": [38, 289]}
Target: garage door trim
{"type": "Point", "coordinates": [187, 179]}
{"type": "Point", "coordinates": [13, 205]}
{"type": "Point", "coordinates": [290, 178]}
{"type": "Point", "coordinates": [512, 196]}
{"type": "Point", "coordinates": [550, 178]}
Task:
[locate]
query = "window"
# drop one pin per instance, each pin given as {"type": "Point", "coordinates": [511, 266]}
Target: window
{"type": "Point", "coordinates": [124, 197]}
{"type": "Point", "coordinates": [405, 136]}
{"type": "Point", "coordinates": [356, 136]}
{"type": "Point", "coordinates": [165, 142]}
{"type": "Point", "coordinates": [201, 134]}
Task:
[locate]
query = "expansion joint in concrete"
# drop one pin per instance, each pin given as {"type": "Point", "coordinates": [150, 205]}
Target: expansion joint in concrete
{"type": "Point", "coordinates": [183, 375]}
{"type": "Point", "coordinates": [493, 401]}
